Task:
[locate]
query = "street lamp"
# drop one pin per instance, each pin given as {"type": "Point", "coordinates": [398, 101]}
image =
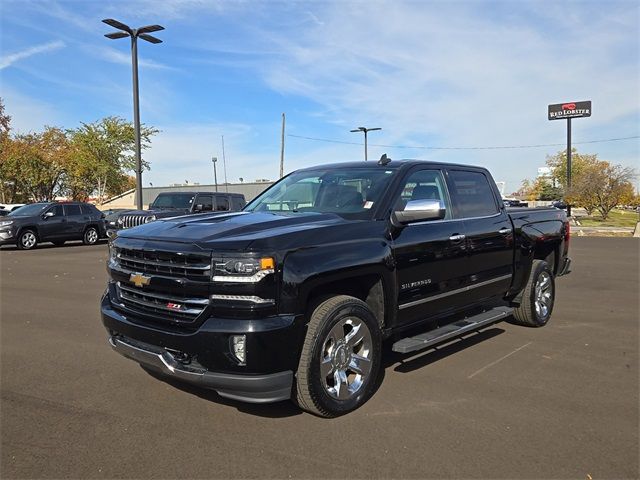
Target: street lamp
{"type": "Point", "coordinates": [215, 174]}
{"type": "Point", "coordinates": [135, 33]}
{"type": "Point", "coordinates": [365, 131]}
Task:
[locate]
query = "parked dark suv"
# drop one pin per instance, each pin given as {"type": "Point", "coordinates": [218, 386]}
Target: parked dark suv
{"type": "Point", "coordinates": [52, 222]}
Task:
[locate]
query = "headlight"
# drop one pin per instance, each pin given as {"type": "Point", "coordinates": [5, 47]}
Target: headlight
{"type": "Point", "coordinates": [6, 223]}
{"type": "Point", "coordinates": [242, 269]}
{"type": "Point", "coordinates": [113, 255]}
{"type": "Point", "coordinates": [150, 218]}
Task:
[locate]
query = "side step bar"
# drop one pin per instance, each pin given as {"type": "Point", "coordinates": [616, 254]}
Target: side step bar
{"type": "Point", "coordinates": [453, 330]}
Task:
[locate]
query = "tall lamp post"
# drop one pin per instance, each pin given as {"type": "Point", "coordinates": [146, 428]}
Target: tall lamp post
{"type": "Point", "coordinates": [214, 160]}
{"type": "Point", "coordinates": [135, 33]}
{"type": "Point", "coordinates": [365, 131]}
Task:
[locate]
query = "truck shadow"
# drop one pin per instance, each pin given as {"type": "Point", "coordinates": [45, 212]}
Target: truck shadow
{"type": "Point", "coordinates": [403, 364]}
{"type": "Point", "coordinates": [269, 410]}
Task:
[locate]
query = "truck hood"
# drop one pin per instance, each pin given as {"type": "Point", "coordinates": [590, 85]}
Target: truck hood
{"type": "Point", "coordinates": [233, 231]}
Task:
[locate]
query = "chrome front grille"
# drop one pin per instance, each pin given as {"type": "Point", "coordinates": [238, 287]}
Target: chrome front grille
{"type": "Point", "coordinates": [128, 221]}
{"type": "Point", "coordinates": [169, 307]}
{"type": "Point", "coordinates": [168, 264]}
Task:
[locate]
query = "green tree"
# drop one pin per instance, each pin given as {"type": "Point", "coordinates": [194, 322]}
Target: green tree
{"type": "Point", "coordinates": [104, 157]}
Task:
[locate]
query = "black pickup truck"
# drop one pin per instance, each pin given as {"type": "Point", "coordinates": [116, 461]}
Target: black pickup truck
{"type": "Point", "coordinates": [173, 204]}
{"type": "Point", "coordinates": [293, 297]}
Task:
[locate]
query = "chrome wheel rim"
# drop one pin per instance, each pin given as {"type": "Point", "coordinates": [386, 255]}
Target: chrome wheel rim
{"type": "Point", "coordinates": [346, 358]}
{"type": "Point", "coordinates": [544, 295]}
{"type": "Point", "coordinates": [28, 240]}
{"type": "Point", "coordinates": [92, 236]}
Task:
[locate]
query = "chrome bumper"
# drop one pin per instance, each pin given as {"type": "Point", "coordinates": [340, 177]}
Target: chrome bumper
{"type": "Point", "coordinates": [247, 388]}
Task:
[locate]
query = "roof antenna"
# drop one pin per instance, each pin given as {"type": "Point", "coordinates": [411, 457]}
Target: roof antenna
{"type": "Point", "coordinates": [384, 160]}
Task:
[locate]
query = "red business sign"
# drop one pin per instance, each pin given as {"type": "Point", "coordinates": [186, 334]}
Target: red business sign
{"type": "Point", "coordinates": [559, 111]}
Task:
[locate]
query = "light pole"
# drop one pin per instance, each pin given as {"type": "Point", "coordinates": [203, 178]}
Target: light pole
{"type": "Point", "coordinates": [215, 174]}
{"type": "Point", "coordinates": [135, 33]}
{"type": "Point", "coordinates": [365, 131]}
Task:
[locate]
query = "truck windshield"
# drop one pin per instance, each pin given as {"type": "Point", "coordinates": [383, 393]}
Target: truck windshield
{"type": "Point", "coordinates": [28, 210]}
{"type": "Point", "coordinates": [349, 192]}
{"type": "Point", "coordinates": [173, 200]}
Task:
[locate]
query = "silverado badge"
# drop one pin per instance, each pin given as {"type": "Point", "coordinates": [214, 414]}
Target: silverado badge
{"type": "Point", "coordinates": [139, 280]}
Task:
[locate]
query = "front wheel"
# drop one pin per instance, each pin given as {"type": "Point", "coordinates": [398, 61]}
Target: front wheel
{"type": "Point", "coordinates": [340, 358]}
{"type": "Point", "coordinates": [27, 240]}
{"type": "Point", "coordinates": [538, 297]}
{"type": "Point", "coordinates": [90, 236]}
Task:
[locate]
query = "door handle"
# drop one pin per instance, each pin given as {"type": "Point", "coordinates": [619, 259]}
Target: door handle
{"type": "Point", "coordinates": [504, 231]}
{"type": "Point", "coordinates": [457, 237]}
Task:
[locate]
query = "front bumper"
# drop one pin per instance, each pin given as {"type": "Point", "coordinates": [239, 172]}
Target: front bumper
{"type": "Point", "coordinates": [7, 237]}
{"type": "Point", "coordinates": [272, 350]}
{"type": "Point", "coordinates": [247, 388]}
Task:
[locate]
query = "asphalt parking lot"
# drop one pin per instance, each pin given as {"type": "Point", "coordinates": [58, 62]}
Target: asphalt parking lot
{"type": "Point", "coordinates": [510, 402]}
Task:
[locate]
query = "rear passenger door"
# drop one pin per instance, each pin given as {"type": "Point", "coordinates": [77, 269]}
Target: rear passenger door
{"type": "Point", "coordinates": [429, 255]}
{"type": "Point", "coordinates": [75, 221]}
{"type": "Point", "coordinates": [489, 236]}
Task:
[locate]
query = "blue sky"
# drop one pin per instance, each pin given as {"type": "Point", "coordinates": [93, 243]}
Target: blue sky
{"type": "Point", "coordinates": [444, 74]}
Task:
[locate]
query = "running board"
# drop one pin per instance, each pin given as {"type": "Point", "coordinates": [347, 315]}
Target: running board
{"type": "Point", "coordinates": [453, 330]}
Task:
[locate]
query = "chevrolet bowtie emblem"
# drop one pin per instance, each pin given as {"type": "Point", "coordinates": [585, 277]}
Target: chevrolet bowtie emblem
{"type": "Point", "coordinates": [139, 280]}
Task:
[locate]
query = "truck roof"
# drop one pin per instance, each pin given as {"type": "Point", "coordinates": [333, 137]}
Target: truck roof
{"type": "Point", "coordinates": [188, 192]}
{"type": "Point", "coordinates": [392, 165]}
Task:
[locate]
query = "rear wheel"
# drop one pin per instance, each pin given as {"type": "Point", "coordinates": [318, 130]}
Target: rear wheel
{"type": "Point", "coordinates": [90, 236]}
{"type": "Point", "coordinates": [340, 357]}
{"type": "Point", "coordinates": [27, 240]}
{"type": "Point", "coordinates": [538, 297]}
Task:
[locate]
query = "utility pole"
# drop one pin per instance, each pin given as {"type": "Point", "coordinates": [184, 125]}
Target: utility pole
{"type": "Point", "coordinates": [282, 149]}
{"type": "Point", "coordinates": [214, 160]}
{"type": "Point", "coordinates": [135, 33]}
{"type": "Point", "coordinates": [224, 166]}
{"type": "Point", "coordinates": [365, 131]}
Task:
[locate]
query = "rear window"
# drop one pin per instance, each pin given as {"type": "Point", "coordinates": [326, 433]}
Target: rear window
{"type": "Point", "coordinates": [88, 209]}
{"type": "Point", "coordinates": [473, 194]}
{"type": "Point", "coordinates": [222, 204]}
{"type": "Point", "coordinates": [72, 210]}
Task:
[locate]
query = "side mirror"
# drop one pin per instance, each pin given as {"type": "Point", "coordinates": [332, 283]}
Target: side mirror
{"type": "Point", "coordinates": [419, 211]}
{"type": "Point", "coordinates": [48, 215]}
{"type": "Point", "coordinates": [198, 208]}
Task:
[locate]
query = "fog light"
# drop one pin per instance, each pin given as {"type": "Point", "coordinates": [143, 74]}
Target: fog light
{"type": "Point", "coordinates": [238, 343]}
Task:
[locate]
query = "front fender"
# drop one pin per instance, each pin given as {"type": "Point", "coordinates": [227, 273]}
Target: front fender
{"type": "Point", "coordinates": [307, 269]}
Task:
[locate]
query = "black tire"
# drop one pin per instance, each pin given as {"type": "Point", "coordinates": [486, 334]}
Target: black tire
{"type": "Point", "coordinates": [91, 236]}
{"type": "Point", "coordinates": [58, 243]}
{"type": "Point", "coordinates": [328, 336]}
{"type": "Point", "coordinates": [538, 297]}
{"type": "Point", "coordinates": [27, 239]}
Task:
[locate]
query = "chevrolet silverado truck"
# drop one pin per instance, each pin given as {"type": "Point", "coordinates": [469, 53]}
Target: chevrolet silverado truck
{"type": "Point", "coordinates": [293, 297]}
{"type": "Point", "coordinates": [173, 204]}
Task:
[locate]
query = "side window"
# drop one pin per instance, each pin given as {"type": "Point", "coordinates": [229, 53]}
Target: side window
{"type": "Point", "coordinates": [72, 210]}
{"type": "Point", "coordinates": [206, 201]}
{"type": "Point", "coordinates": [86, 210]}
{"type": "Point", "coordinates": [423, 185]}
{"type": "Point", "coordinates": [56, 210]}
{"type": "Point", "coordinates": [222, 204]}
{"type": "Point", "coordinates": [237, 203]}
{"type": "Point", "coordinates": [473, 194]}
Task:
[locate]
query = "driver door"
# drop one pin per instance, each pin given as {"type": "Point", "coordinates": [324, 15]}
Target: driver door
{"type": "Point", "coordinates": [429, 255]}
{"type": "Point", "coordinates": [55, 227]}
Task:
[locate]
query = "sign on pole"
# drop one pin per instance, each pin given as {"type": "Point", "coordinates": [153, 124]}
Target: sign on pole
{"type": "Point", "coordinates": [567, 111]}
{"type": "Point", "coordinates": [561, 111]}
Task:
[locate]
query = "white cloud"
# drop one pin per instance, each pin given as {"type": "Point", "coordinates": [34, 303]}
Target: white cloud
{"type": "Point", "coordinates": [116, 56]}
{"type": "Point", "coordinates": [10, 59]}
{"type": "Point", "coordinates": [455, 76]}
